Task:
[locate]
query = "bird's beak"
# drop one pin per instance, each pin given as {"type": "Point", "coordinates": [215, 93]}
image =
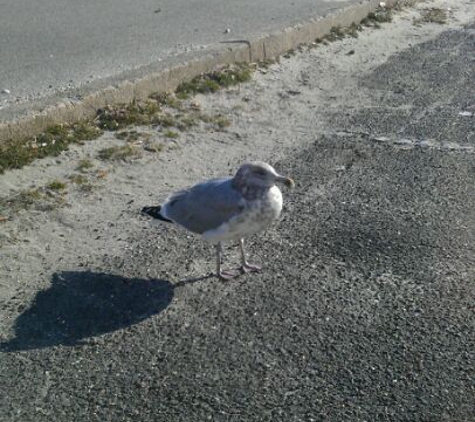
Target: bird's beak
{"type": "Point", "coordinates": [287, 181]}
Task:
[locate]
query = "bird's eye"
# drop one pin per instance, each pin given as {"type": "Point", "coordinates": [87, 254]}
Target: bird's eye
{"type": "Point", "coordinates": [261, 172]}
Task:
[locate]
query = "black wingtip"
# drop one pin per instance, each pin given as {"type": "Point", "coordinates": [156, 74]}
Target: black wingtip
{"type": "Point", "coordinates": [155, 213]}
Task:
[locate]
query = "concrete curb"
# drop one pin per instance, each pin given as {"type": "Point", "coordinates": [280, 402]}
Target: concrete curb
{"type": "Point", "coordinates": [263, 48]}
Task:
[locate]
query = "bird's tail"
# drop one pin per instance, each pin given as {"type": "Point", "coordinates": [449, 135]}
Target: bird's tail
{"type": "Point", "coordinates": [155, 213]}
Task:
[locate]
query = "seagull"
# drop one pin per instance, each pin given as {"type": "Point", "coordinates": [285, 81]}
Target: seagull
{"type": "Point", "coordinates": [227, 209]}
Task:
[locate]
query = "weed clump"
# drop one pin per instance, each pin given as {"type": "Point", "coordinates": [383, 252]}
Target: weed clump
{"type": "Point", "coordinates": [220, 121]}
{"type": "Point", "coordinates": [170, 134]}
{"type": "Point", "coordinates": [78, 179]}
{"type": "Point", "coordinates": [81, 182]}
{"type": "Point", "coordinates": [45, 198]}
{"type": "Point", "coordinates": [167, 99]}
{"type": "Point", "coordinates": [379, 16]}
{"type": "Point", "coordinates": [434, 15]}
{"type": "Point", "coordinates": [57, 185]}
{"type": "Point", "coordinates": [211, 82]}
{"type": "Point", "coordinates": [84, 164]}
{"type": "Point", "coordinates": [21, 201]}
{"type": "Point", "coordinates": [128, 135]}
{"type": "Point", "coordinates": [153, 146]}
{"type": "Point", "coordinates": [119, 153]}
{"type": "Point", "coordinates": [337, 33]}
{"type": "Point", "coordinates": [186, 122]}
{"type": "Point", "coordinates": [136, 113]}
{"type": "Point", "coordinates": [54, 140]}
{"type": "Point", "coordinates": [165, 120]}
{"type": "Point", "coordinates": [374, 19]}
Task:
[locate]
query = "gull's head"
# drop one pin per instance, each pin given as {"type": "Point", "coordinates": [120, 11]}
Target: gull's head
{"type": "Point", "coordinates": [262, 175]}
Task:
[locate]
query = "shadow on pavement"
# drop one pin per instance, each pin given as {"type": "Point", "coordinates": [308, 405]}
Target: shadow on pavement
{"type": "Point", "coordinates": [79, 305]}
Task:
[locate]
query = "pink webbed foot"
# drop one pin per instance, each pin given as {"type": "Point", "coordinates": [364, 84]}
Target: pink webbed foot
{"type": "Point", "coordinates": [250, 268]}
{"type": "Point", "coordinates": [226, 275]}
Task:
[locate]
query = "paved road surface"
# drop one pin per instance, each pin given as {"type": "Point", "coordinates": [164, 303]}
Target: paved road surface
{"type": "Point", "coordinates": [48, 46]}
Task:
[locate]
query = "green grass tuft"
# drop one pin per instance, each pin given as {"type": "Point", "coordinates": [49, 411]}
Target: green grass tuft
{"type": "Point", "coordinates": [128, 135]}
{"type": "Point", "coordinates": [24, 200]}
{"type": "Point", "coordinates": [221, 121]}
{"type": "Point", "coordinates": [54, 140]}
{"type": "Point", "coordinates": [78, 179]}
{"type": "Point", "coordinates": [167, 99]}
{"type": "Point", "coordinates": [186, 121]}
{"type": "Point", "coordinates": [171, 134]}
{"type": "Point", "coordinates": [214, 81]}
{"type": "Point", "coordinates": [153, 146]}
{"type": "Point", "coordinates": [44, 199]}
{"type": "Point", "coordinates": [84, 164]}
{"type": "Point", "coordinates": [57, 185]}
{"type": "Point", "coordinates": [135, 113]}
{"type": "Point", "coordinates": [433, 15]}
{"type": "Point", "coordinates": [379, 16]}
{"type": "Point", "coordinates": [165, 120]}
{"type": "Point", "coordinates": [119, 153]}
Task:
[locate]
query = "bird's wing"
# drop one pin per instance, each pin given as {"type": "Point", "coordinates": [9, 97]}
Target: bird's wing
{"type": "Point", "coordinates": [204, 206]}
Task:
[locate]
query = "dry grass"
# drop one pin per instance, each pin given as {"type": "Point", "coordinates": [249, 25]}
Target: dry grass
{"type": "Point", "coordinates": [84, 164]}
{"type": "Point", "coordinates": [171, 134]}
{"type": "Point", "coordinates": [433, 15]}
{"type": "Point", "coordinates": [119, 153]}
{"type": "Point", "coordinates": [44, 198]}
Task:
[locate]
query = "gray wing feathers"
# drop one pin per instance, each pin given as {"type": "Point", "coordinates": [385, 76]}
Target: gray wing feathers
{"type": "Point", "coordinates": [204, 206]}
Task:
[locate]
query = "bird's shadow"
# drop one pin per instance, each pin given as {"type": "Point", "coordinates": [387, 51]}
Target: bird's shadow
{"type": "Point", "coordinates": [83, 304]}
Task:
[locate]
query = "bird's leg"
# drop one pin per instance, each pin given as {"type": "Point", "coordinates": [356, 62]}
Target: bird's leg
{"type": "Point", "coordinates": [246, 266]}
{"type": "Point", "coordinates": [222, 274]}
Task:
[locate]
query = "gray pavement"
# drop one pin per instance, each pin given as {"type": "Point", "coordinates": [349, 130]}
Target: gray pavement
{"type": "Point", "coordinates": [372, 320]}
{"type": "Point", "coordinates": [50, 48]}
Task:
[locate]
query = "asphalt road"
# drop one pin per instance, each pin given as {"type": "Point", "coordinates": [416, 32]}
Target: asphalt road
{"type": "Point", "coordinates": [53, 46]}
{"type": "Point", "coordinates": [365, 311]}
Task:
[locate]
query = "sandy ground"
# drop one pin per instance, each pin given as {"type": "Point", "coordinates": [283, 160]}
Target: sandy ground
{"type": "Point", "coordinates": [279, 114]}
{"type": "Point", "coordinates": [267, 124]}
